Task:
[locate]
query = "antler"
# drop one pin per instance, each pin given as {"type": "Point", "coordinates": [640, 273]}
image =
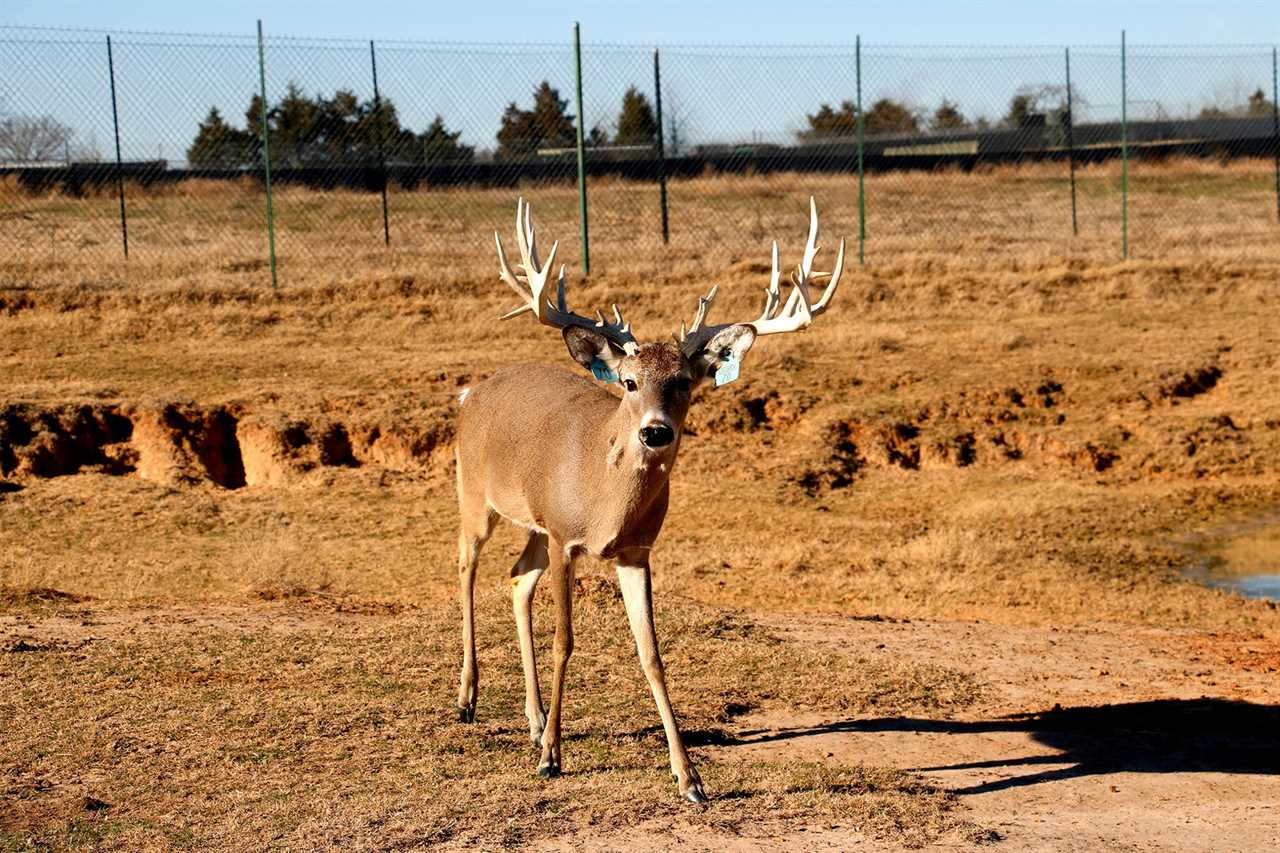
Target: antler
{"type": "Point", "coordinates": [533, 283]}
{"type": "Point", "coordinates": [798, 311]}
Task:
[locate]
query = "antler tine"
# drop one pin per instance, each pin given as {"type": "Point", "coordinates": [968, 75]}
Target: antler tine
{"type": "Point", "coordinates": [532, 286]}
{"type": "Point", "coordinates": [699, 316]}
{"type": "Point", "coordinates": [617, 316]}
{"type": "Point", "coordinates": [803, 274]}
{"type": "Point", "coordinates": [797, 312]}
{"type": "Point", "coordinates": [526, 238]}
{"type": "Point", "coordinates": [821, 305]}
{"type": "Point", "coordinates": [505, 273]}
{"type": "Point", "coordinates": [772, 296]}
{"type": "Point", "coordinates": [811, 245]}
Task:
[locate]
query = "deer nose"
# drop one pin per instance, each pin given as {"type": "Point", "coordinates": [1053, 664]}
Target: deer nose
{"type": "Point", "coordinates": [657, 435]}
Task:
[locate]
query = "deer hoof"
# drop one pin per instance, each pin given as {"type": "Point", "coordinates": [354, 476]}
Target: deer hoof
{"type": "Point", "coordinates": [467, 714]}
{"type": "Point", "coordinates": [549, 771]}
{"type": "Point", "coordinates": [695, 794]}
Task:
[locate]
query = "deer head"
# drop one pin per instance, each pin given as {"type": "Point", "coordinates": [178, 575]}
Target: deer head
{"type": "Point", "coordinates": [657, 379]}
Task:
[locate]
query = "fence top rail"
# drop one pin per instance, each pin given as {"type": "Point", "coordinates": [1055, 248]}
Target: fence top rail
{"type": "Point", "coordinates": [14, 33]}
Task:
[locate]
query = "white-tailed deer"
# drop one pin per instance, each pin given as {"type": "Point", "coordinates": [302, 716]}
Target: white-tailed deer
{"type": "Point", "coordinates": [585, 470]}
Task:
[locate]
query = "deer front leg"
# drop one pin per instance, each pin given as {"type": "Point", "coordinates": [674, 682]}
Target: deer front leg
{"type": "Point", "coordinates": [562, 590]}
{"type": "Point", "coordinates": [470, 541]}
{"type": "Point", "coordinates": [524, 581]}
{"type": "Point", "coordinates": [637, 594]}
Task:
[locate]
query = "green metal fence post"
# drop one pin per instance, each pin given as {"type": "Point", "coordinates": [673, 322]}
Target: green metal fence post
{"type": "Point", "coordinates": [662, 152]}
{"type": "Point", "coordinates": [862, 199]}
{"type": "Point", "coordinates": [1275, 125]}
{"type": "Point", "coordinates": [582, 157]}
{"type": "Point", "coordinates": [266, 155]}
{"type": "Point", "coordinates": [115, 121]}
{"type": "Point", "coordinates": [1124, 147]}
{"type": "Point", "coordinates": [382, 152]}
{"type": "Point", "coordinates": [1071, 147]}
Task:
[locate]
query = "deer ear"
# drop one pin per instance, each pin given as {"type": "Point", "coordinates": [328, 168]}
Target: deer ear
{"type": "Point", "coordinates": [720, 356]}
{"type": "Point", "coordinates": [593, 351]}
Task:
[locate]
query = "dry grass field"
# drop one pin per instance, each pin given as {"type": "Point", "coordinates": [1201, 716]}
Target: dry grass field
{"type": "Point", "coordinates": [921, 583]}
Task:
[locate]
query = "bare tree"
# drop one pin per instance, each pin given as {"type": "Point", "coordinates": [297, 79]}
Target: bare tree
{"type": "Point", "coordinates": [33, 139]}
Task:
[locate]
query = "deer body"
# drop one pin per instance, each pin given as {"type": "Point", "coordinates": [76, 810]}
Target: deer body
{"type": "Point", "coordinates": [552, 454]}
{"type": "Point", "coordinates": [585, 470]}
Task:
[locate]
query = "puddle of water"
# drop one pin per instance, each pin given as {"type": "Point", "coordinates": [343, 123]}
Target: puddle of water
{"type": "Point", "coordinates": [1256, 586]}
{"type": "Point", "coordinates": [1245, 560]}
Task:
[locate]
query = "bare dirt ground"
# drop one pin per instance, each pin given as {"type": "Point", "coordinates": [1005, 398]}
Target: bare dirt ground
{"type": "Point", "coordinates": [1088, 738]}
{"type": "Point", "coordinates": [1151, 746]}
{"type": "Point", "coordinates": [1147, 746]}
{"type": "Point", "coordinates": [922, 583]}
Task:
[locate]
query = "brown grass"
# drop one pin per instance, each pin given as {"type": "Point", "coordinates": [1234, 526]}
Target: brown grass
{"type": "Point", "coordinates": [206, 233]}
{"type": "Point", "coordinates": [313, 724]}
{"type": "Point", "coordinates": [994, 423]}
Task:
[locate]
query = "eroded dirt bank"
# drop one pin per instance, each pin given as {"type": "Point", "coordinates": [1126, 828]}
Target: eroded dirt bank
{"type": "Point", "coordinates": [184, 442]}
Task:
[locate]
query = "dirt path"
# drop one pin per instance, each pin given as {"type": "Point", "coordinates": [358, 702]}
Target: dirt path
{"type": "Point", "coordinates": [1095, 738]}
{"type": "Point", "coordinates": [1101, 737]}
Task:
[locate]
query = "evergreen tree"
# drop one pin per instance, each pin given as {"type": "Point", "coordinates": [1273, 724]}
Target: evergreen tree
{"type": "Point", "coordinates": [1021, 109]}
{"type": "Point", "coordinates": [636, 124]}
{"type": "Point", "coordinates": [218, 145]}
{"type": "Point", "coordinates": [437, 144]}
{"type": "Point", "coordinates": [948, 117]}
{"type": "Point", "coordinates": [826, 122]}
{"type": "Point", "coordinates": [889, 116]}
{"type": "Point", "coordinates": [885, 116]}
{"type": "Point", "coordinates": [1038, 106]}
{"type": "Point", "coordinates": [1259, 105]}
{"type": "Point", "coordinates": [294, 128]}
{"type": "Point", "coordinates": [547, 125]}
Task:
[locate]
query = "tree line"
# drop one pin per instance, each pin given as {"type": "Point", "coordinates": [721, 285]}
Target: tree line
{"type": "Point", "coordinates": [344, 130]}
{"type": "Point", "coordinates": [341, 130]}
{"type": "Point", "coordinates": [1030, 107]}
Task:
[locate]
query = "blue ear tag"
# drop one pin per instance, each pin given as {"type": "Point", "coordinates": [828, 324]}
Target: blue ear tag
{"type": "Point", "coordinates": [601, 371]}
{"type": "Point", "coordinates": [727, 371]}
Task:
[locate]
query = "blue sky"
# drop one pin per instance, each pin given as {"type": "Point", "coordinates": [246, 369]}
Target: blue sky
{"type": "Point", "coordinates": [734, 95]}
{"type": "Point", "coordinates": [746, 21]}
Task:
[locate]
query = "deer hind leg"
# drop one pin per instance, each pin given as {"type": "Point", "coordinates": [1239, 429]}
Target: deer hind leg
{"type": "Point", "coordinates": [470, 541]}
{"type": "Point", "coordinates": [637, 595]}
{"type": "Point", "coordinates": [561, 565]}
{"type": "Point", "coordinates": [524, 580]}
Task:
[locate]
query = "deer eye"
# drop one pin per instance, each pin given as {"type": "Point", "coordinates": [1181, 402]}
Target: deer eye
{"type": "Point", "coordinates": [681, 385]}
{"type": "Point", "coordinates": [629, 384]}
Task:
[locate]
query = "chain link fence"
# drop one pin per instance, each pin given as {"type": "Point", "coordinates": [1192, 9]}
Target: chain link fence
{"type": "Point", "coordinates": [152, 146]}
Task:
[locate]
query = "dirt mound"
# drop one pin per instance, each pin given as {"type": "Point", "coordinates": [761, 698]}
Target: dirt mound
{"type": "Point", "coordinates": [63, 440]}
{"type": "Point", "coordinates": [184, 443]}
{"type": "Point", "coordinates": [1173, 386]}
{"type": "Point", "coordinates": [405, 445]}
{"type": "Point", "coordinates": [37, 595]}
{"type": "Point", "coordinates": [992, 426]}
{"type": "Point", "coordinates": [275, 449]}
{"type": "Point", "coordinates": [854, 446]}
{"type": "Point", "coordinates": [1037, 401]}
{"type": "Point", "coordinates": [749, 411]}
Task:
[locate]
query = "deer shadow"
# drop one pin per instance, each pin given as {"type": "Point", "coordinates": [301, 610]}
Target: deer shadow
{"type": "Point", "coordinates": [1161, 736]}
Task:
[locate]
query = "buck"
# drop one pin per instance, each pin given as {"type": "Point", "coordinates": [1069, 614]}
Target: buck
{"type": "Point", "coordinates": [585, 470]}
